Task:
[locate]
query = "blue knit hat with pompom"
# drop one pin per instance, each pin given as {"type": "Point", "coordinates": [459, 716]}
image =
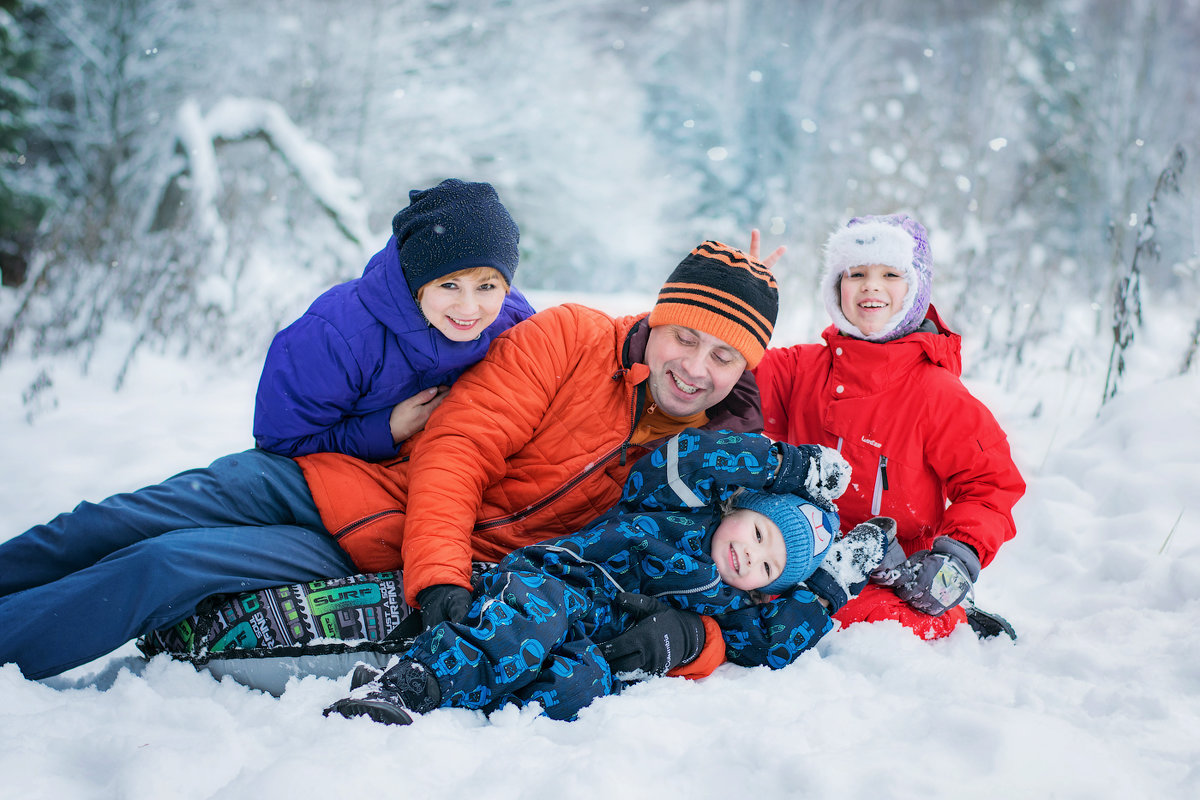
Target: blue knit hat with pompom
{"type": "Point", "coordinates": [807, 530]}
{"type": "Point", "coordinates": [894, 240]}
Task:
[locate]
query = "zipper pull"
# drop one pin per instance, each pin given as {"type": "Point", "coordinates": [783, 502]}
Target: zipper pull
{"type": "Point", "coordinates": [883, 471]}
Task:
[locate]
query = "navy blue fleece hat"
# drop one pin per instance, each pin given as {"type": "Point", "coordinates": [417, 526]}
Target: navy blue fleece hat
{"type": "Point", "coordinates": [455, 225]}
{"type": "Point", "coordinates": [807, 530]}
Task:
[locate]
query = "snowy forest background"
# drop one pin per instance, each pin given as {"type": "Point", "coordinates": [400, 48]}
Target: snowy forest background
{"type": "Point", "coordinates": [187, 176]}
{"type": "Point", "coordinates": [181, 178]}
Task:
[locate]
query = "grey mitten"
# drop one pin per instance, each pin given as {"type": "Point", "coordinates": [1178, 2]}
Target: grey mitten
{"type": "Point", "coordinates": [935, 581]}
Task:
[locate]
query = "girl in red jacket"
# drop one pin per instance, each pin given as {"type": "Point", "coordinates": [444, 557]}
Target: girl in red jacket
{"type": "Point", "coordinates": [884, 389]}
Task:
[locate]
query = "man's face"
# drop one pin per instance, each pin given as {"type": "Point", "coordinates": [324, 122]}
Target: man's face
{"type": "Point", "coordinates": [689, 370]}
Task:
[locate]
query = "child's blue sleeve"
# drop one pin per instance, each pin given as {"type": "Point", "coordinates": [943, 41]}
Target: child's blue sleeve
{"type": "Point", "coordinates": [774, 633]}
{"type": "Point", "coordinates": [697, 468]}
{"type": "Point", "coordinates": [306, 395]}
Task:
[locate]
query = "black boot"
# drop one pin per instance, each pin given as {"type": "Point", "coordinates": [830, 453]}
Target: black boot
{"type": "Point", "coordinates": [988, 625]}
{"type": "Point", "coordinates": [407, 687]}
{"type": "Point", "coordinates": [363, 674]}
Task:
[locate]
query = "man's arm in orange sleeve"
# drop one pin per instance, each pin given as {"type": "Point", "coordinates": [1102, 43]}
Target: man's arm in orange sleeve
{"type": "Point", "coordinates": [491, 412]}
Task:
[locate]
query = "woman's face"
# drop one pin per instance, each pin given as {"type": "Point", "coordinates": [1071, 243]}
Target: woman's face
{"type": "Point", "coordinates": [871, 295]}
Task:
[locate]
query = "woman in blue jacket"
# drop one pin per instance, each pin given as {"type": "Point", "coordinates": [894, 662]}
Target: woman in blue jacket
{"type": "Point", "coordinates": [364, 367]}
{"type": "Point", "coordinates": [717, 534]}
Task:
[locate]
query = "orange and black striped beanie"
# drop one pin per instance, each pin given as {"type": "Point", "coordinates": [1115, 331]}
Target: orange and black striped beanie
{"type": "Point", "coordinates": [723, 292]}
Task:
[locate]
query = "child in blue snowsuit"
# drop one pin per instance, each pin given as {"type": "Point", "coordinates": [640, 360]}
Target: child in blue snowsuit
{"type": "Point", "coordinates": [426, 308]}
{"type": "Point", "coordinates": [367, 363]}
{"type": "Point", "coordinates": [714, 524]}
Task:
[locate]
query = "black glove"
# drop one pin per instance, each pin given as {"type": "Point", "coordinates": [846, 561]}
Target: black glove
{"type": "Point", "coordinates": [443, 602]}
{"type": "Point", "coordinates": [664, 638]}
{"type": "Point", "coordinates": [816, 472]}
{"type": "Point", "coordinates": [934, 581]}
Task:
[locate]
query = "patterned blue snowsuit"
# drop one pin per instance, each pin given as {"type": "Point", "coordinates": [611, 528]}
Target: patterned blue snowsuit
{"type": "Point", "coordinates": [532, 630]}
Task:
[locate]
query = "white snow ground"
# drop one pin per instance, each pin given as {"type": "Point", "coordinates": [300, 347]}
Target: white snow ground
{"type": "Point", "coordinates": [1099, 698]}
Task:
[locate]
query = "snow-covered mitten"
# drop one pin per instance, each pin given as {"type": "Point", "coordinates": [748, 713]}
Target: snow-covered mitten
{"type": "Point", "coordinates": [849, 561]}
{"type": "Point", "coordinates": [820, 473]}
{"type": "Point", "coordinates": [940, 578]}
{"type": "Point", "coordinates": [408, 686]}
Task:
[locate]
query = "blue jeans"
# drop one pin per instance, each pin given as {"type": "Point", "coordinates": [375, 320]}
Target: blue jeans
{"type": "Point", "coordinates": [90, 580]}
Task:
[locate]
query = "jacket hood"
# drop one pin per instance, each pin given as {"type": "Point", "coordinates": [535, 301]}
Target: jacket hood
{"type": "Point", "coordinates": [384, 291]}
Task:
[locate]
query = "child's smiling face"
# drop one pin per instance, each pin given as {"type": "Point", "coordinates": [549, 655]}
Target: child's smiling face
{"type": "Point", "coordinates": [748, 549]}
{"type": "Point", "coordinates": [461, 305]}
{"type": "Point", "coordinates": [871, 295]}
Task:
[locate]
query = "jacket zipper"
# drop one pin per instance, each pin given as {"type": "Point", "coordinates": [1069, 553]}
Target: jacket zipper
{"type": "Point", "coordinates": [581, 560]}
{"type": "Point", "coordinates": [351, 527]}
{"type": "Point", "coordinates": [533, 508]}
{"type": "Point", "coordinates": [881, 485]}
{"type": "Point", "coordinates": [694, 590]}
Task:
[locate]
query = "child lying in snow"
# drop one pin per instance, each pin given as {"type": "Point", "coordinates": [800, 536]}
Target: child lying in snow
{"type": "Point", "coordinates": [710, 525]}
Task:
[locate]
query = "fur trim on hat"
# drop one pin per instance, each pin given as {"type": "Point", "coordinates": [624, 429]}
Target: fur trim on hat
{"type": "Point", "coordinates": [895, 240]}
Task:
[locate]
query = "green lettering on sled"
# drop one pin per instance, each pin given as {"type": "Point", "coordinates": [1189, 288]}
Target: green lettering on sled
{"type": "Point", "coordinates": [239, 637]}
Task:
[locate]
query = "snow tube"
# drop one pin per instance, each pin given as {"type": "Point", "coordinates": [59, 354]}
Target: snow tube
{"type": "Point", "coordinates": [263, 638]}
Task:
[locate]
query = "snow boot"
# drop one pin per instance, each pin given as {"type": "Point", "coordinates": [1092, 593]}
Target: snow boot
{"type": "Point", "coordinates": [987, 625]}
{"type": "Point", "coordinates": [407, 687]}
{"type": "Point", "coordinates": [363, 674]}
{"type": "Point", "coordinates": [851, 559]}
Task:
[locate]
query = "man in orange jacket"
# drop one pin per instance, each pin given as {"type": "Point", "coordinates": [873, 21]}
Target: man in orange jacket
{"type": "Point", "coordinates": [533, 442]}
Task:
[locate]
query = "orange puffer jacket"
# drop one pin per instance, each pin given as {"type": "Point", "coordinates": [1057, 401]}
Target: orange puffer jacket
{"type": "Point", "coordinates": [532, 442]}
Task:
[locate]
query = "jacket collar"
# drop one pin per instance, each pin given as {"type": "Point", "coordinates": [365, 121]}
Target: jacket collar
{"type": "Point", "coordinates": [869, 366]}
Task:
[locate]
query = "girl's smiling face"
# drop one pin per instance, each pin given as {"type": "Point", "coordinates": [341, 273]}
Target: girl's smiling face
{"type": "Point", "coordinates": [462, 304]}
{"type": "Point", "coordinates": [871, 295]}
{"type": "Point", "coordinates": [748, 549]}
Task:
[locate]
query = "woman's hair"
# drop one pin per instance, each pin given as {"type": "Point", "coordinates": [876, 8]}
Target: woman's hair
{"type": "Point", "coordinates": [471, 273]}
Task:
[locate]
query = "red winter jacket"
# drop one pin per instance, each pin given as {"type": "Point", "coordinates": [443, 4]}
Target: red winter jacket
{"type": "Point", "coordinates": [922, 449]}
{"type": "Point", "coordinates": [531, 443]}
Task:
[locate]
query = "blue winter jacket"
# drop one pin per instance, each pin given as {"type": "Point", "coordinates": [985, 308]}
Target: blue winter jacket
{"type": "Point", "coordinates": [655, 543]}
{"type": "Point", "coordinates": [332, 377]}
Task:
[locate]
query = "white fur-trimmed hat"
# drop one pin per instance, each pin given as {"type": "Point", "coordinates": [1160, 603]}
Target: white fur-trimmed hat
{"type": "Point", "coordinates": [895, 240]}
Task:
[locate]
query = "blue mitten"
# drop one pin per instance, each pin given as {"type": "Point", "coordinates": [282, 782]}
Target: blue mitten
{"type": "Point", "coordinates": [816, 472]}
{"type": "Point", "coordinates": [935, 581]}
